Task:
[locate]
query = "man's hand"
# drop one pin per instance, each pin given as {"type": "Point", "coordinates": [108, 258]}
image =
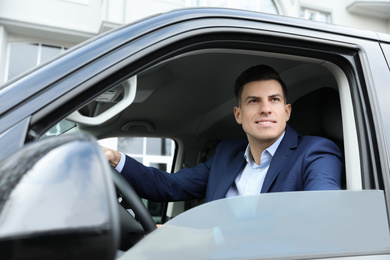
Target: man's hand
{"type": "Point", "coordinates": [112, 156]}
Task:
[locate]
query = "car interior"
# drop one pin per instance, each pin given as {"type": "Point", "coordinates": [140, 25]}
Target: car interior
{"type": "Point", "coordinates": [189, 98]}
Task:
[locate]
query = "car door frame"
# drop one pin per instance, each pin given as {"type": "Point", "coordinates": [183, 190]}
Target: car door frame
{"type": "Point", "coordinates": [99, 64]}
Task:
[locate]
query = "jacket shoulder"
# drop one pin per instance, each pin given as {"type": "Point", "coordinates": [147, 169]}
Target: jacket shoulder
{"type": "Point", "coordinates": [233, 142]}
{"type": "Point", "coordinates": [231, 146]}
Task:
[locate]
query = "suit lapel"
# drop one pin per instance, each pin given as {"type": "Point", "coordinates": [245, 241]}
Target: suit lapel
{"type": "Point", "coordinates": [228, 177]}
{"type": "Point", "coordinates": [280, 158]}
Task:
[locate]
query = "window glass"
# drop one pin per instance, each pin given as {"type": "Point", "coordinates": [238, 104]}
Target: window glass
{"type": "Point", "coordinates": [267, 6]}
{"type": "Point", "coordinates": [285, 225]}
{"type": "Point", "coordinates": [48, 52]}
{"type": "Point", "coordinates": [22, 57]}
{"type": "Point", "coordinates": [315, 15]}
{"type": "Point", "coordinates": [161, 166]}
{"type": "Point", "coordinates": [182, 2]}
{"type": "Point", "coordinates": [158, 146]}
{"type": "Point", "coordinates": [138, 159]}
{"type": "Point", "coordinates": [219, 3]}
{"type": "Point", "coordinates": [133, 146]}
{"type": "Point", "coordinates": [78, 1]}
{"type": "Point", "coordinates": [60, 128]}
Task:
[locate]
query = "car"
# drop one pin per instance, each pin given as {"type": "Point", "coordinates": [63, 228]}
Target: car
{"type": "Point", "coordinates": [171, 76]}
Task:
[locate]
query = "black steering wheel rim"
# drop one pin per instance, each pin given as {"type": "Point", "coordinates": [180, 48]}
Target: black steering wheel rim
{"type": "Point", "coordinates": [134, 201]}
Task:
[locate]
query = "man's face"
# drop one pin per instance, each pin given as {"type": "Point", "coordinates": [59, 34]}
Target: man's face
{"type": "Point", "coordinates": [263, 113]}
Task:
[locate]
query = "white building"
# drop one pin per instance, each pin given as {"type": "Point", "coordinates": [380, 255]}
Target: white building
{"type": "Point", "coordinates": [32, 31]}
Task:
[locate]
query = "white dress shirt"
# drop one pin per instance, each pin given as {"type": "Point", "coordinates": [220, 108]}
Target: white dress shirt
{"type": "Point", "coordinates": [250, 180]}
{"type": "Point", "coordinates": [121, 163]}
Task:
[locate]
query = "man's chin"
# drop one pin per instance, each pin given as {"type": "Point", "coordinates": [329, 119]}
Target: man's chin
{"type": "Point", "coordinates": [264, 138]}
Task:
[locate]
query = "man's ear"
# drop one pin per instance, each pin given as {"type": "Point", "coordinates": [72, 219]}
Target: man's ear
{"type": "Point", "coordinates": [288, 111]}
{"type": "Point", "coordinates": [237, 115]}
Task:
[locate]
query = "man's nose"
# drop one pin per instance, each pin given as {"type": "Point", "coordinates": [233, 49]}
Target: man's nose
{"type": "Point", "coordinates": [265, 108]}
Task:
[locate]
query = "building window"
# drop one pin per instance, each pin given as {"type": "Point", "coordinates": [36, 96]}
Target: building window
{"type": "Point", "coordinates": [315, 15]}
{"type": "Point", "coordinates": [267, 6]}
{"type": "Point", "coordinates": [179, 2]}
{"type": "Point", "coordinates": [24, 56]}
{"type": "Point", "coordinates": [84, 2]}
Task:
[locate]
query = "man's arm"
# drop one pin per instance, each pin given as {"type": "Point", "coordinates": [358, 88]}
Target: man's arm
{"type": "Point", "coordinates": [154, 184]}
{"type": "Point", "coordinates": [324, 166]}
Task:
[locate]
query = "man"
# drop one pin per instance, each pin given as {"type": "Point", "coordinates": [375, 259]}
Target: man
{"type": "Point", "coordinates": [274, 157]}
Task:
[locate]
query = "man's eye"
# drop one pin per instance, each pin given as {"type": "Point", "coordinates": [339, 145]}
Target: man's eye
{"type": "Point", "coordinates": [275, 99]}
{"type": "Point", "coordinates": [253, 101]}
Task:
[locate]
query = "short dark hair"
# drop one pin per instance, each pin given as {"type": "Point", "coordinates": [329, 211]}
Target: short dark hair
{"type": "Point", "coordinates": [257, 73]}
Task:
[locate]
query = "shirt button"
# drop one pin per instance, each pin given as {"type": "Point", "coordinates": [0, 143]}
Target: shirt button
{"type": "Point", "coordinates": [258, 169]}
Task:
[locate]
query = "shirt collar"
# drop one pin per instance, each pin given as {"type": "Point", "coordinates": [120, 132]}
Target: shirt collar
{"type": "Point", "coordinates": [271, 149]}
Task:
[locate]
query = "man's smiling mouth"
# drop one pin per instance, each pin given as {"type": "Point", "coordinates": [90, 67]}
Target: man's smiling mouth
{"type": "Point", "coordinates": [265, 122]}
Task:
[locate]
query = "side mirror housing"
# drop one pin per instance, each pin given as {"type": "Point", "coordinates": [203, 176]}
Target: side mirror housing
{"type": "Point", "coordinates": [57, 201]}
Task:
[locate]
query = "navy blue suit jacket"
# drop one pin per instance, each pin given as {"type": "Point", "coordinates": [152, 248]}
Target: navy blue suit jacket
{"type": "Point", "coordinates": [300, 163]}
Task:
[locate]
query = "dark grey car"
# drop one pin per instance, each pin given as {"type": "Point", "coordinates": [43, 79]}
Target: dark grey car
{"type": "Point", "coordinates": [171, 76]}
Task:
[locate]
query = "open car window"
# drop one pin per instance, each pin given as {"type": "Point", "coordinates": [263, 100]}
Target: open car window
{"type": "Point", "coordinates": [153, 152]}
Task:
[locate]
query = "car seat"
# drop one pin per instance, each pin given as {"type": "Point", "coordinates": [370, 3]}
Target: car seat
{"type": "Point", "coordinates": [319, 113]}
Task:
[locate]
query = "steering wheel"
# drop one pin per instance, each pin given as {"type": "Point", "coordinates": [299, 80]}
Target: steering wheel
{"type": "Point", "coordinates": [134, 201]}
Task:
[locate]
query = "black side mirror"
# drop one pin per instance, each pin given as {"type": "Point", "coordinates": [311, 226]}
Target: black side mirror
{"type": "Point", "coordinates": [57, 201]}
